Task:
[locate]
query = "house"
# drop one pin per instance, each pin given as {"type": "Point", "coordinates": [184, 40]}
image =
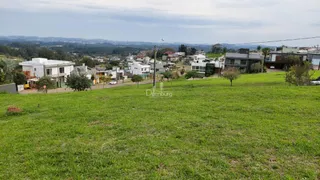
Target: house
{"type": "Point", "coordinates": [242, 60]}
{"type": "Point", "coordinates": [199, 57]}
{"type": "Point", "coordinates": [83, 70]}
{"type": "Point", "coordinates": [160, 67]}
{"type": "Point", "coordinates": [200, 52]}
{"type": "Point", "coordinates": [279, 58]}
{"type": "Point", "coordinates": [39, 67]}
{"type": "Point", "coordinates": [201, 65]}
{"type": "Point", "coordinates": [137, 68]}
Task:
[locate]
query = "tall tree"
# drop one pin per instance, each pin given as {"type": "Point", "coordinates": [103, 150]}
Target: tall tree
{"type": "Point", "coordinates": [265, 52]}
{"type": "Point", "coordinates": [183, 48]}
{"type": "Point", "coordinates": [193, 51]}
{"type": "Point", "coordinates": [259, 48]}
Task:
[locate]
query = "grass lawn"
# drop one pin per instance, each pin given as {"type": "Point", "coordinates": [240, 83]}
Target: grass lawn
{"type": "Point", "coordinates": [213, 55]}
{"type": "Point", "coordinates": [259, 129]}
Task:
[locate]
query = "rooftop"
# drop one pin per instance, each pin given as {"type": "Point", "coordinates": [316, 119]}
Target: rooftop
{"type": "Point", "coordinates": [46, 62]}
{"type": "Point", "coordinates": [243, 56]}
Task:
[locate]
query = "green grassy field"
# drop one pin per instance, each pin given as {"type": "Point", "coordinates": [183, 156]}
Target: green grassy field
{"type": "Point", "coordinates": [259, 129]}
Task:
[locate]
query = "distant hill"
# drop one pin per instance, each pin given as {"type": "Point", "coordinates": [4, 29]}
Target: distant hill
{"type": "Point", "coordinates": [50, 41]}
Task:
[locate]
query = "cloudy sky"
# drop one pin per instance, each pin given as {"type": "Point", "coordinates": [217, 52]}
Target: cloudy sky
{"type": "Point", "coordinates": [197, 21]}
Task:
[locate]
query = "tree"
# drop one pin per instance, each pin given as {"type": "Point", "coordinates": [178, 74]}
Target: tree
{"type": "Point", "coordinates": [193, 51]}
{"type": "Point", "coordinates": [259, 48]}
{"type": "Point", "coordinates": [3, 71]}
{"type": "Point", "coordinates": [78, 82]}
{"type": "Point", "coordinates": [183, 48]}
{"type": "Point", "coordinates": [255, 68]}
{"type": "Point", "coordinates": [168, 75]}
{"type": "Point", "coordinates": [224, 50]}
{"type": "Point", "coordinates": [137, 79]}
{"type": "Point", "coordinates": [191, 74]}
{"type": "Point", "coordinates": [45, 81]}
{"type": "Point", "coordinates": [265, 52]}
{"type": "Point", "coordinates": [231, 73]}
{"type": "Point", "coordinates": [105, 79]}
{"type": "Point", "coordinates": [19, 78]}
{"type": "Point", "coordinates": [88, 62]}
{"type": "Point", "coordinates": [299, 75]}
{"type": "Point", "coordinates": [46, 53]}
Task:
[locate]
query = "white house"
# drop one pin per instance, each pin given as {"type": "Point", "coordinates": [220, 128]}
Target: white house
{"type": "Point", "coordinates": [39, 67]}
{"type": "Point", "coordinates": [200, 65]}
{"type": "Point", "coordinates": [137, 68]}
{"type": "Point", "coordinates": [199, 57]}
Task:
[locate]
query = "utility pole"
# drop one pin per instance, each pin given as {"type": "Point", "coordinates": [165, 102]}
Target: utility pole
{"type": "Point", "coordinates": [154, 66]}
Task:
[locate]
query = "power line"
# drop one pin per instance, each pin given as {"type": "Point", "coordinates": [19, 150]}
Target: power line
{"type": "Point", "coordinates": [282, 40]}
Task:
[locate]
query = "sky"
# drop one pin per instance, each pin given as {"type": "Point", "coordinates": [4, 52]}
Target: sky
{"type": "Point", "coordinates": [197, 21]}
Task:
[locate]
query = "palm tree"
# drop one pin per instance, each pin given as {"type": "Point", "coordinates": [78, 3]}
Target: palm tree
{"type": "Point", "coordinates": [265, 52]}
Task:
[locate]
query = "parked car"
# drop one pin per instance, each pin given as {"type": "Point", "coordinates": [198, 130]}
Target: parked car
{"type": "Point", "coordinates": [316, 82]}
{"type": "Point", "coordinates": [113, 83]}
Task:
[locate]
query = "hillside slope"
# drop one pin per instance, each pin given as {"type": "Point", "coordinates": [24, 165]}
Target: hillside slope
{"type": "Point", "coordinates": [260, 128]}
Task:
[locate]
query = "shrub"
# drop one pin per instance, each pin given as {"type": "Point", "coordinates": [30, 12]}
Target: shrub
{"type": "Point", "coordinates": [78, 82]}
{"type": "Point", "coordinates": [137, 79]}
{"type": "Point", "coordinates": [299, 75]}
{"type": "Point", "coordinates": [168, 75]}
{"type": "Point", "coordinates": [231, 73]}
{"type": "Point", "coordinates": [255, 68]}
{"type": "Point", "coordinates": [19, 78]}
{"type": "Point", "coordinates": [13, 110]}
{"type": "Point", "coordinates": [45, 81]}
{"type": "Point", "coordinates": [191, 74]}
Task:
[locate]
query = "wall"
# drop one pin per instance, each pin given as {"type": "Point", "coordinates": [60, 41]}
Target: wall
{"type": "Point", "coordinates": [39, 71]}
{"type": "Point", "coordinates": [9, 88]}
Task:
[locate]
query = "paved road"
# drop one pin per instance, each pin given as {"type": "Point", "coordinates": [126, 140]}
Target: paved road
{"type": "Point", "coordinates": [98, 86]}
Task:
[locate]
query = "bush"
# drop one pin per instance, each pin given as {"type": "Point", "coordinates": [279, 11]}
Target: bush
{"type": "Point", "coordinates": [299, 75]}
{"type": "Point", "coordinates": [78, 82]}
{"type": "Point", "coordinates": [137, 79]}
{"type": "Point", "coordinates": [45, 81]}
{"type": "Point", "coordinates": [255, 68]}
{"type": "Point", "coordinates": [191, 74]}
{"type": "Point", "coordinates": [19, 78]}
{"type": "Point", "coordinates": [168, 75]}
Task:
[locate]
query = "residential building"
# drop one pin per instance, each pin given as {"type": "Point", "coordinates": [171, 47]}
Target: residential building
{"type": "Point", "coordinates": [137, 68]}
{"type": "Point", "coordinates": [83, 70]}
{"type": "Point", "coordinates": [201, 65]}
{"type": "Point", "coordinates": [242, 60]}
{"type": "Point", "coordinates": [39, 67]}
{"type": "Point", "coordinates": [199, 57]}
{"type": "Point", "coordinates": [279, 58]}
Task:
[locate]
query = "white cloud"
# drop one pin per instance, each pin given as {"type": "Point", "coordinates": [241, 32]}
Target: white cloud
{"type": "Point", "coordinates": [281, 18]}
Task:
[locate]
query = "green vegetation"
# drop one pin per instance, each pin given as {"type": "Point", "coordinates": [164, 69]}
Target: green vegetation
{"type": "Point", "coordinates": [259, 129]}
{"type": "Point", "coordinates": [78, 82]}
{"type": "Point", "coordinates": [137, 79]}
{"type": "Point", "coordinates": [231, 74]}
{"type": "Point", "coordinates": [214, 55]}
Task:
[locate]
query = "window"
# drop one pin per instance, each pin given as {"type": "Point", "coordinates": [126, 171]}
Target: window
{"type": "Point", "coordinates": [61, 70]}
{"type": "Point", "coordinates": [230, 61]}
{"type": "Point", "coordinates": [243, 62]}
{"type": "Point", "coordinates": [237, 62]}
{"type": "Point", "coordinates": [202, 69]}
{"type": "Point", "coordinates": [141, 69]}
{"type": "Point", "coordinates": [49, 71]}
{"type": "Point", "coordinates": [34, 69]}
